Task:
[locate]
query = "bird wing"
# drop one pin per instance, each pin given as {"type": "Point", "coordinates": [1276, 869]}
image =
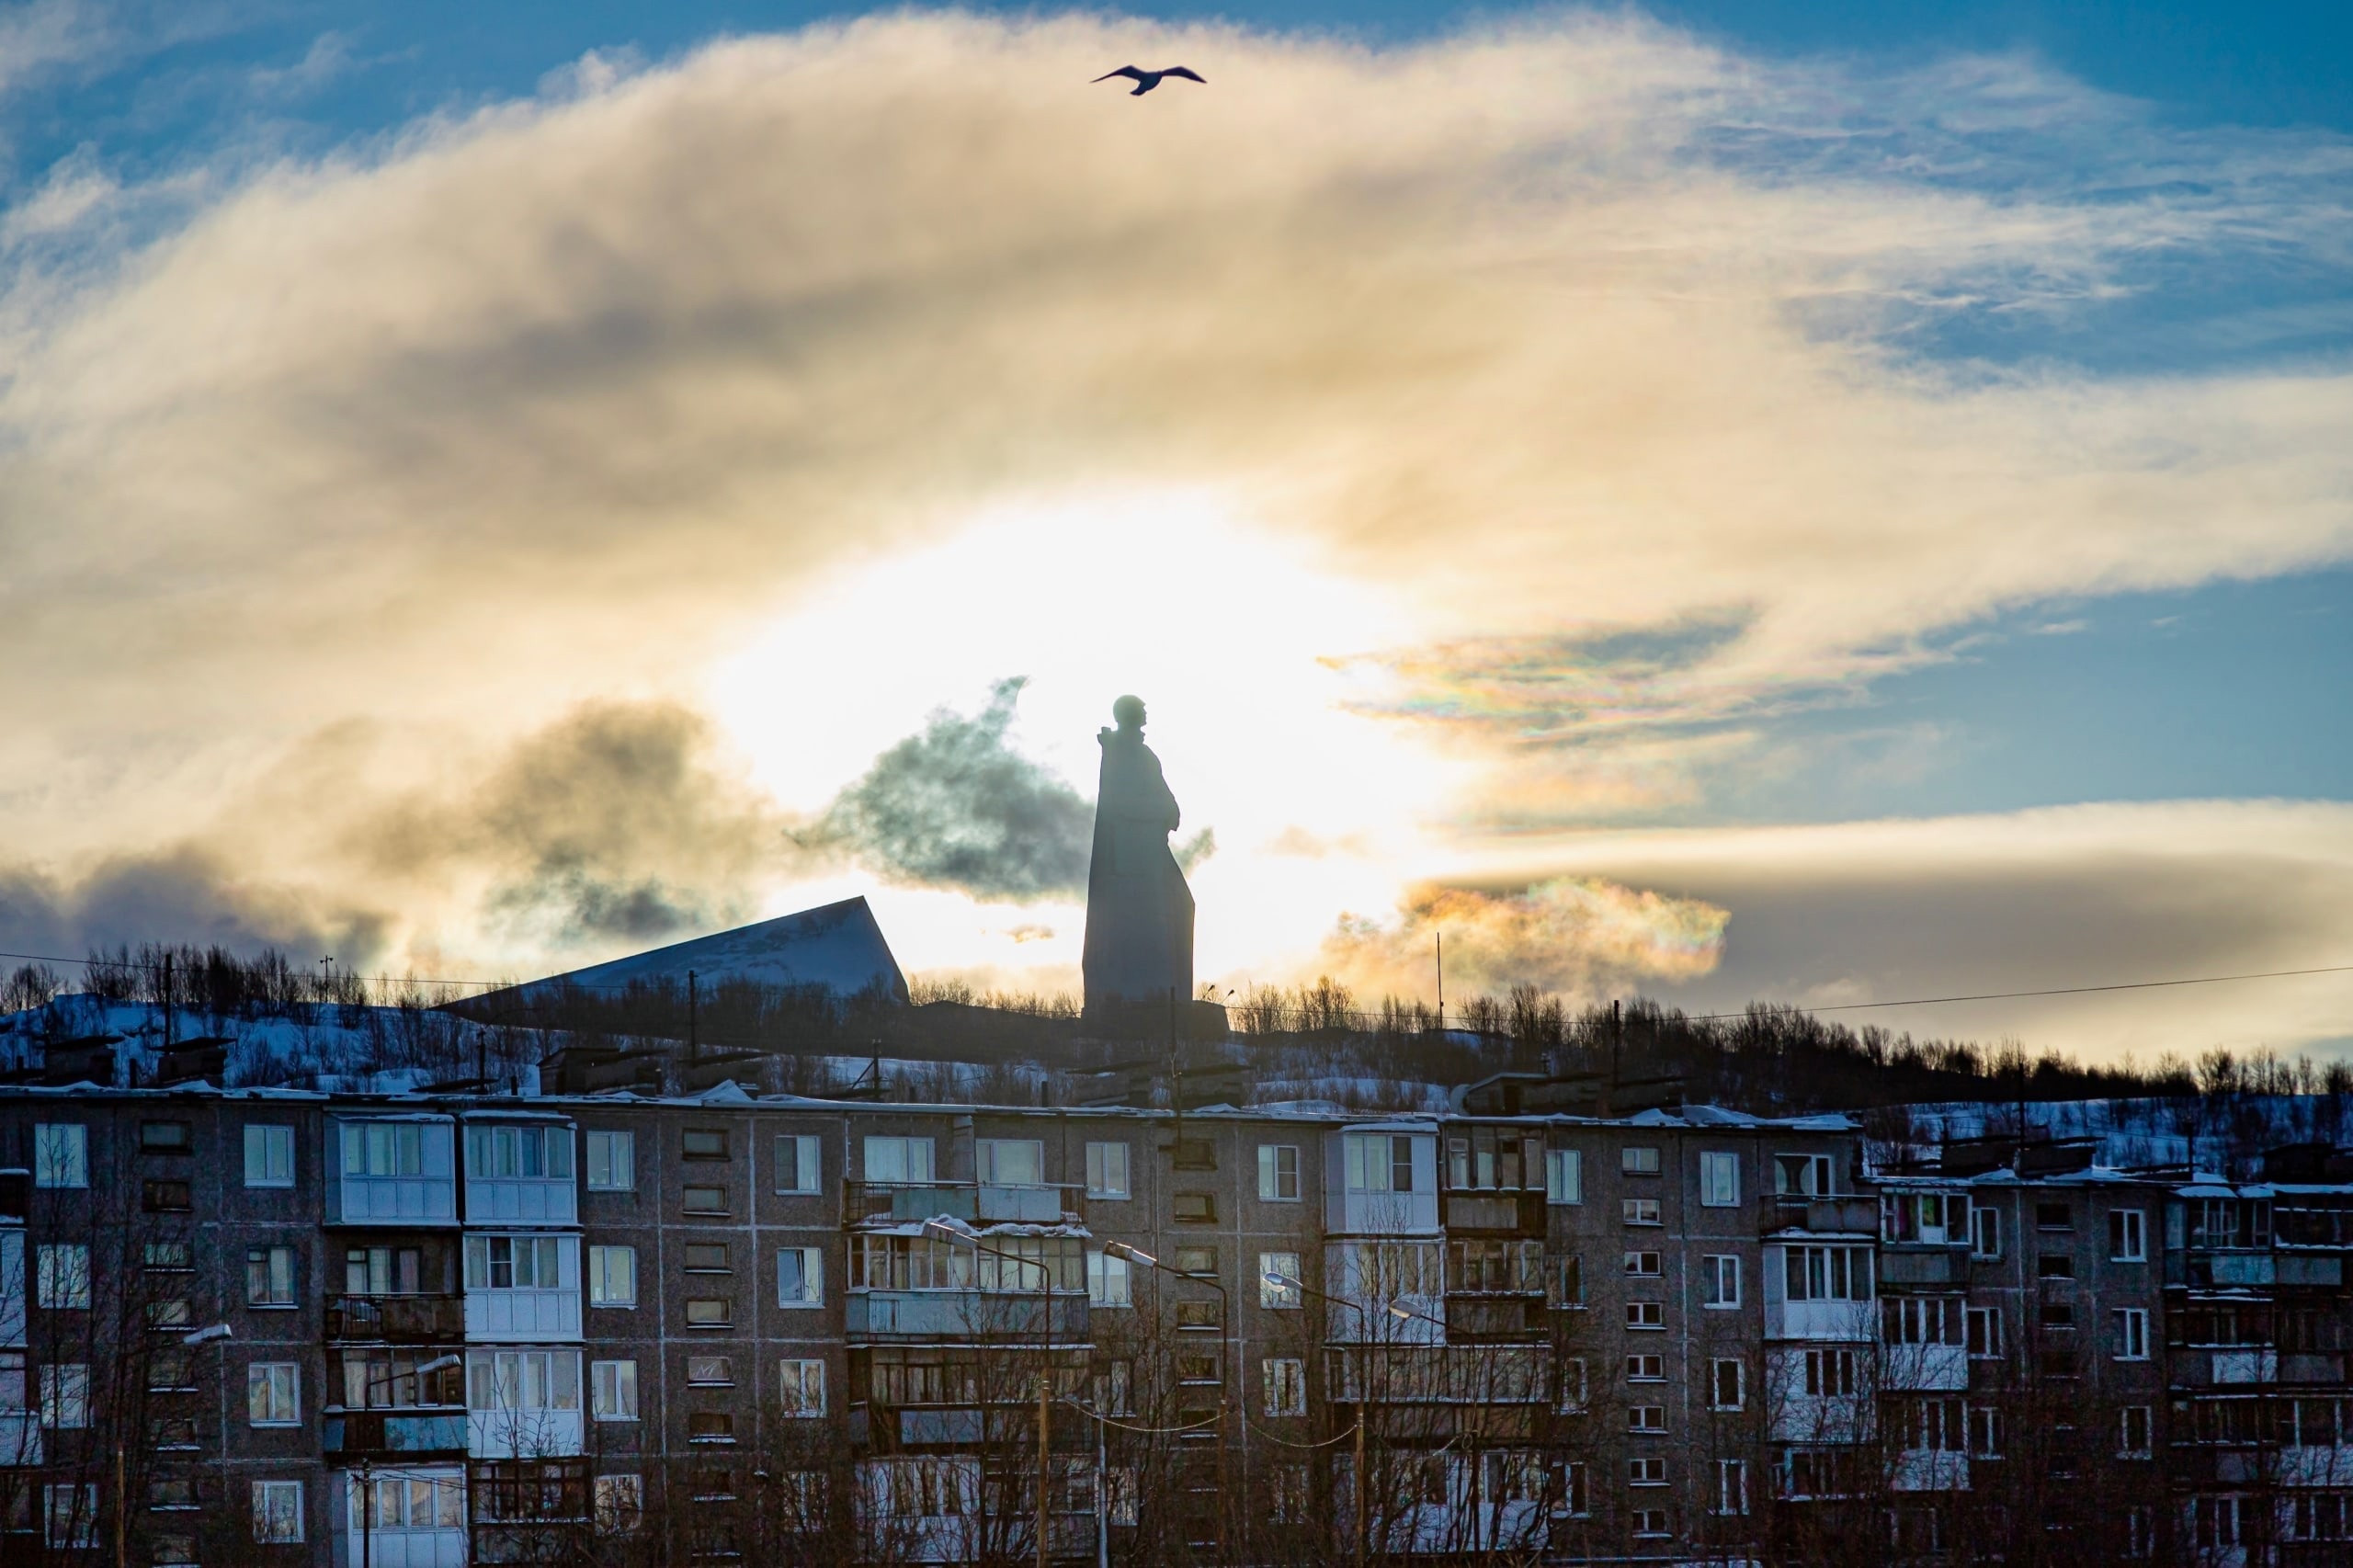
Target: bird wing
{"type": "Point", "coordinates": [1122, 70]}
{"type": "Point", "coordinates": [1181, 71]}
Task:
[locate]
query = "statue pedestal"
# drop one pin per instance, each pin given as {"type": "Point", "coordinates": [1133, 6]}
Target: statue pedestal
{"type": "Point", "coordinates": [1152, 1020]}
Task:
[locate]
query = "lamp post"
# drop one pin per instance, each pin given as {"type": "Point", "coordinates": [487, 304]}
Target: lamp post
{"type": "Point", "coordinates": [368, 1466]}
{"type": "Point", "coordinates": [1224, 1317]}
{"type": "Point", "coordinates": [1045, 1352]}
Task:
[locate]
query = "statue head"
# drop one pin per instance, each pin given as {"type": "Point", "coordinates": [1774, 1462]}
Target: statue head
{"type": "Point", "coordinates": [1129, 711]}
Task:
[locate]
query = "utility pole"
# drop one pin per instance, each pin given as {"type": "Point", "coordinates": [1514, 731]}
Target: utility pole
{"type": "Point", "coordinates": [167, 999]}
{"type": "Point", "coordinates": [1362, 1480]}
{"type": "Point", "coordinates": [1045, 1387]}
{"type": "Point", "coordinates": [693, 1043]}
{"type": "Point", "coordinates": [121, 1511]}
{"type": "Point", "coordinates": [1441, 983]}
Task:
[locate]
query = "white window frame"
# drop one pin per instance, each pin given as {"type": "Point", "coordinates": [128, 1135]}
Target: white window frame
{"type": "Point", "coordinates": [612, 1159]}
{"type": "Point", "coordinates": [1642, 1211]}
{"type": "Point", "coordinates": [1740, 1384]}
{"type": "Point", "coordinates": [798, 1379]}
{"type": "Point", "coordinates": [612, 1390]}
{"type": "Point", "coordinates": [1985, 1231]}
{"type": "Point", "coordinates": [1731, 1488]}
{"type": "Point", "coordinates": [1280, 1298]}
{"type": "Point", "coordinates": [276, 1501]}
{"type": "Point", "coordinates": [604, 1262]}
{"type": "Point", "coordinates": [1718, 1179]}
{"type": "Point", "coordinates": [905, 1150]}
{"type": "Point", "coordinates": [269, 1154]}
{"type": "Point", "coordinates": [1272, 1176]}
{"type": "Point", "coordinates": [1719, 1272]}
{"type": "Point", "coordinates": [1101, 1180]}
{"type": "Point", "coordinates": [1564, 1176]}
{"type": "Point", "coordinates": [61, 1155]}
{"type": "Point", "coordinates": [61, 1277]}
{"type": "Point", "coordinates": [1284, 1378]}
{"type": "Point", "coordinates": [2125, 1449]}
{"type": "Point", "coordinates": [2134, 1237]}
{"type": "Point", "coordinates": [808, 1164]}
{"type": "Point", "coordinates": [988, 1153]}
{"type": "Point", "coordinates": [277, 1387]}
{"type": "Point", "coordinates": [1639, 1160]}
{"type": "Point", "coordinates": [2131, 1333]}
{"type": "Point", "coordinates": [812, 1277]}
{"type": "Point", "coordinates": [1110, 1282]}
{"type": "Point", "coordinates": [1638, 1310]}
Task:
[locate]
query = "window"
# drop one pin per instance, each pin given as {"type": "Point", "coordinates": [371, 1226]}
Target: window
{"type": "Point", "coordinates": [537, 1153]}
{"type": "Point", "coordinates": [1113, 1388]}
{"type": "Point", "coordinates": [1984, 1432]}
{"type": "Point", "coordinates": [1197, 1365]}
{"type": "Point", "coordinates": [62, 1276]}
{"type": "Point", "coordinates": [1828, 1274]}
{"type": "Point", "coordinates": [515, 1263]}
{"type": "Point", "coordinates": [1645, 1314]}
{"type": "Point", "coordinates": [1278, 1173]}
{"type": "Point", "coordinates": [703, 1199]}
{"type": "Point", "coordinates": [612, 1277]}
{"type": "Point", "coordinates": [703, 1144]}
{"type": "Point", "coordinates": [2140, 1533]}
{"type": "Point", "coordinates": [800, 1278]}
{"type": "Point", "coordinates": [621, 1502]}
{"type": "Point", "coordinates": [711, 1372]}
{"type": "Point", "coordinates": [1646, 1369]}
{"type": "Point", "coordinates": [2131, 1332]}
{"type": "Point", "coordinates": [2128, 1236]}
{"type": "Point", "coordinates": [612, 1390]}
{"type": "Point", "coordinates": [709, 1312]}
{"type": "Point", "coordinates": [2132, 1438]}
{"type": "Point", "coordinates": [1923, 1319]}
{"type": "Point", "coordinates": [1647, 1472]}
{"type": "Point", "coordinates": [167, 1256]}
{"type": "Point", "coordinates": [70, 1516]}
{"type": "Point", "coordinates": [2057, 1315]}
{"type": "Point", "coordinates": [1720, 1181]}
{"type": "Point", "coordinates": [270, 1277]}
{"type": "Point", "coordinates": [61, 1155]}
{"type": "Point", "coordinates": [799, 1167]}
{"type": "Point", "coordinates": [1641, 1212]}
{"type": "Point", "coordinates": [523, 1380]}
{"type": "Point", "coordinates": [1830, 1374]}
{"type": "Point", "coordinates": [163, 1138]}
{"type": "Point", "coordinates": [801, 1387]}
{"type": "Point", "coordinates": [1932, 1219]}
{"type": "Point", "coordinates": [2054, 1266]}
{"type": "Point", "coordinates": [1564, 1177]}
{"type": "Point", "coordinates": [1283, 1265]}
{"type": "Point", "coordinates": [1728, 1382]}
{"type": "Point", "coordinates": [711, 1427]}
{"type": "Point", "coordinates": [1286, 1382]}
{"type": "Point", "coordinates": [1643, 1265]}
{"type": "Point", "coordinates": [274, 1394]}
{"type": "Point", "coordinates": [384, 1148]}
{"type": "Point", "coordinates": [1567, 1281]}
{"type": "Point", "coordinates": [1106, 1170]}
{"type": "Point", "coordinates": [1576, 1488]}
{"type": "Point", "coordinates": [1572, 1385]}
{"type": "Point", "coordinates": [65, 1396]}
{"type": "Point", "coordinates": [1110, 1282]}
{"type": "Point", "coordinates": [1984, 1333]}
{"type": "Point", "coordinates": [1638, 1159]}
{"type": "Point", "coordinates": [2054, 1217]}
{"type": "Point", "coordinates": [1719, 1279]}
{"type": "Point", "coordinates": [1010, 1162]}
{"type": "Point", "coordinates": [277, 1512]}
{"type": "Point", "coordinates": [166, 1194]}
{"type": "Point", "coordinates": [899, 1161]}
{"type": "Point", "coordinates": [1379, 1162]}
{"type": "Point", "coordinates": [1732, 1486]}
{"type": "Point", "coordinates": [1194, 1208]}
{"type": "Point", "coordinates": [1985, 1231]}
{"type": "Point", "coordinates": [269, 1155]}
{"type": "Point", "coordinates": [707, 1257]}
{"type": "Point", "coordinates": [1650, 1522]}
{"type": "Point", "coordinates": [612, 1161]}
{"type": "Point", "coordinates": [1804, 1175]}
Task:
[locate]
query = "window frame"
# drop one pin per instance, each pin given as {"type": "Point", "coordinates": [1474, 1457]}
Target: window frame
{"type": "Point", "coordinates": [1717, 1366]}
{"type": "Point", "coordinates": [808, 1164]}
{"type": "Point", "coordinates": [598, 1265]}
{"type": "Point", "coordinates": [1272, 1176]}
{"type": "Point", "coordinates": [809, 1371]}
{"type": "Point", "coordinates": [1281, 1375]}
{"type": "Point", "coordinates": [1098, 1170]}
{"type": "Point", "coordinates": [267, 1378]}
{"type": "Point", "coordinates": [2131, 1232]}
{"type": "Point", "coordinates": [812, 1278]}
{"type": "Point", "coordinates": [274, 1138]}
{"type": "Point", "coordinates": [1564, 1176]}
{"type": "Point", "coordinates": [1281, 1298]}
{"type": "Point", "coordinates": [1715, 1269]}
{"type": "Point", "coordinates": [1719, 1179]}
{"type": "Point", "coordinates": [622, 1372]}
{"type": "Point", "coordinates": [613, 1141]}
{"type": "Point", "coordinates": [62, 1155]}
{"type": "Point", "coordinates": [269, 1500]}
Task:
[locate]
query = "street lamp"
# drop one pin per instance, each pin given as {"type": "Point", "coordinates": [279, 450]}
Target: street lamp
{"type": "Point", "coordinates": [1045, 1349]}
{"type": "Point", "coordinates": [368, 1466]}
{"type": "Point", "coordinates": [1284, 1282]}
{"type": "Point", "coordinates": [1224, 1317]}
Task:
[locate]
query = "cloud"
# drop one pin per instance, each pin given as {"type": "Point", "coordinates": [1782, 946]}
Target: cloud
{"type": "Point", "coordinates": [1571, 935]}
{"type": "Point", "coordinates": [955, 806]}
{"type": "Point", "coordinates": [185, 893]}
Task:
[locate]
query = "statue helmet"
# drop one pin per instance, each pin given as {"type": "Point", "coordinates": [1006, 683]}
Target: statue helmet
{"type": "Point", "coordinates": [1129, 711]}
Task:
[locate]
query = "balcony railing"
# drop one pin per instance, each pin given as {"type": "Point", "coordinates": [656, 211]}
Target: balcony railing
{"type": "Point", "coordinates": [398, 1320]}
{"type": "Point", "coordinates": [971, 1202]}
{"type": "Point", "coordinates": [420, 1434]}
{"type": "Point", "coordinates": [1793, 1211]}
{"type": "Point", "coordinates": [990, 1316]}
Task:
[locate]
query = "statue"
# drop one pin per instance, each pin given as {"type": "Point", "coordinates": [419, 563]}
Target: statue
{"type": "Point", "coordinates": [1139, 912]}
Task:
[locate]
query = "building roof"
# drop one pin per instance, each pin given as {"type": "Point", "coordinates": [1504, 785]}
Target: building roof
{"type": "Point", "coordinates": [838, 945]}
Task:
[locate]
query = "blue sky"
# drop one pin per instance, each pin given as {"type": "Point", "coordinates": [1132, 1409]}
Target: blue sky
{"type": "Point", "coordinates": [1792, 416]}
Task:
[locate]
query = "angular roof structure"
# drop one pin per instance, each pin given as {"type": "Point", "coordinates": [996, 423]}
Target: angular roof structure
{"type": "Point", "coordinates": [838, 945]}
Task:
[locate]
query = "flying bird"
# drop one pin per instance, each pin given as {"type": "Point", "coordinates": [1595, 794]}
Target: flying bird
{"type": "Point", "coordinates": [1146, 81]}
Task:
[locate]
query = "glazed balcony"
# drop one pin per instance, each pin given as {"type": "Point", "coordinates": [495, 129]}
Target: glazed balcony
{"type": "Point", "coordinates": [396, 1320]}
{"type": "Point", "coordinates": [971, 1203]}
{"type": "Point", "coordinates": [986, 1316]}
{"type": "Point", "coordinates": [413, 1434]}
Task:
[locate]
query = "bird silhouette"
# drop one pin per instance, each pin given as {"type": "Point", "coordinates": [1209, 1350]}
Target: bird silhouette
{"type": "Point", "coordinates": [1146, 81]}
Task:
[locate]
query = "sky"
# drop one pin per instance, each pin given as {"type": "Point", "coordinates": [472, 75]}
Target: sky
{"type": "Point", "coordinates": [1824, 503]}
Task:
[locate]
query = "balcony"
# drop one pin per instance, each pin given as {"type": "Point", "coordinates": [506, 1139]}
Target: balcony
{"type": "Point", "coordinates": [1924, 1267]}
{"type": "Point", "coordinates": [1925, 1368]}
{"type": "Point", "coordinates": [993, 1316]}
{"type": "Point", "coordinates": [1823, 1216]}
{"type": "Point", "coordinates": [900, 1203]}
{"type": "Point", "coordinates": [421, 1434]}
{"type": "Point", "coordinates": [1496, 1213]}
{"type": "Point", "coordinates": [1490, 1319]}
{"type": "Point", "coordinates": [500, 1316]}
{"type": "Point", "coordinates": [397, 1320]}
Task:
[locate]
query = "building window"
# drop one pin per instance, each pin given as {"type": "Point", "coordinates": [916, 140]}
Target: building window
{"type": "Point", "coordinates": [1647, 1472]}
{"type": "Point", "coordinates": [1575, 1489]}
{"type": "Point", "coordinates": [2133, 1440]}
{"type": "Point", "coordinates": [1643, 1265]}
{"type": "Point", "coordinates": [612, 1277]}
{"type": "Point", "coordinates": [1572, 1385]}
{"type": "Point", "coordinates": [799, 1167]}
{"type": "Point", "coordinates": [1646, 1369]}
{"type": "Point", "coordinates": [509, 1152]}
{"type": "Point", "coordinates": [701, 1200]}
{"type": "Point", "coordinates": [163, 1138]}
{"type": "Point", "coordinates": [612, 1390]}
{"type": "Point", "coordinates": [65, 1396]}
{"type": "Point", "coordinates": [1568, 1281]}
{"type": "Point", "coordinates": [61, 1155]}
{"type": "Point", "coordinates": [517, 1263]}
{"type": "Point", "coordinates": [1650, 1419]}
{"type": "Point", "coordinates": [703, 1144]}
{"type": "Point", "coordinates": [1728, 1383]}
{"type": "Point", "coordinates": [801, 1387]}
{"type": "Point", "coordinates": [711, 1372]}
{"type": "Point", "coordinates": [1108, 1283]}
{"type": "Point", "coordinates": [1564, 1177]}
{"type": "Point", "coordinates": [1984, 1333]}
{"type": "Point", "coordinates": [1010, 1162]}
{"type": "Point", "coordinates": [800, 1278]}
{"type": "Point", "coordinates": [62, 1276]}
{"type": "Point", "coordinates": [711, 1427]}
{"type": "Point", "coordinates": [612, 1160]}
{"type": "Point", "coordinates": [621, 1502]}
{"type": "Point", "coordinates": [2054, 1266]}
{"type": "Point", "coordinates": [1113, 1388]}
{"type": "Point", "coordinates": [1828, 1274]}
{"type": "Point", "coordinates": [902, 1162]}
{"type": "Point", "coordinates": [707, 1257]}
{"type": "Point", "coordinates": [1719, 1279]}
{"type": "Point", "coordinates": [2054, 1216]}
{"type": "Point", "coordinates": [1985, 1231]}
{"type": "Point", "coordinates": [2131, 1333]}
{"type": "Point", "coordinates": [1278, 1173]}
{"type": "Point", "coordinates": [523, 1380]}
{"type": "Point", "coordinates": [69, 1517]}
{"type": "Point", "coordinates": [277, 1512]}
{"type": "Point", "coordinates": [2128, 1236]}
{"type": "Point", "coordinates": [175, 1257]}
{"type": "Point", "coordinates": [1379, 1162]}
{"type": "Point", "coordinates": [1194, 1208]}
{"type": "Point", "coordinates": [709, 1312]}
{"type": "Point", "coordinates": [269, 1155]}
{"type": "Point", "coordinates": [1279, 1282]}
{"type": "Point", "coordinates": [1106, 1170]}
{"type": "Point", "coordinates": [1641, 1212]}
{"type": "Point", "coordinates": [1645, 1314]}
{"type": "Point", "coordinates": [1638, 1159]}
{"type": "Point", "coordinates": [1830, 1374]}
{"type": "Point", "coordinates": [1984, 1432]}
{"type": "Point", "coordinates": [1720, 1181]}
{"type": "Point", "coordinates": [1286, 1381]}
{"type": "Point", "coordinates": [1732, 1486]}
{"type": "Point", "coordinates": [166, 1194]}
{"type": "Point", "coordinates": [273, 1394]}
{"type": "Point", "coordinates": [1650, 1522]}
{"type": "Point", "coordinates": [270, 1277]}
